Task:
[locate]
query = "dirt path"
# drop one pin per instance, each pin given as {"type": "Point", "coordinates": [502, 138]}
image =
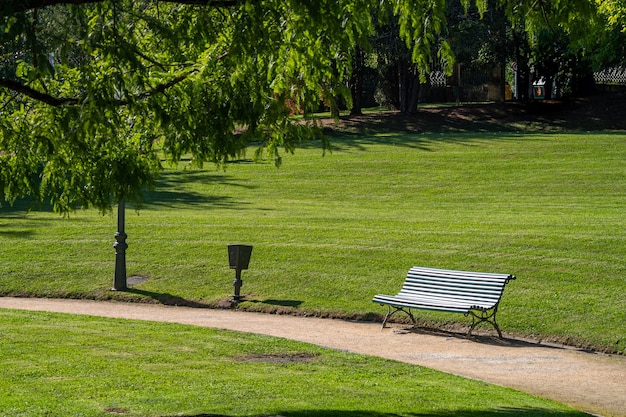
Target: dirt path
{"type": "Point", "coordinates": [593, 383]}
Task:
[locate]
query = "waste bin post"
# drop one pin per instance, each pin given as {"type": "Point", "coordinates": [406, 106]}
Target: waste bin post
{"type": "Point", "coordinates": [237, 283]}
{"type": "Point", "coordinates": [239, 259]}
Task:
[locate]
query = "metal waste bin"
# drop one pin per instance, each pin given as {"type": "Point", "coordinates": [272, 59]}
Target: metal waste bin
{"type": "Point", "coordinates": [239, 259]}
{"type": "Point", "coordinates": [539, 90]}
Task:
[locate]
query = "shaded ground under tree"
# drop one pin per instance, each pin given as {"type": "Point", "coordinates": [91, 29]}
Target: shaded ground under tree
{"type": "Point", "coordinates": [598, 112]}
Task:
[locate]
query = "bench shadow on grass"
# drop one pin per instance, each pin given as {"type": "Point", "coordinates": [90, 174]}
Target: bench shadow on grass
{"type": "Point", "coordinates": [503, 412]}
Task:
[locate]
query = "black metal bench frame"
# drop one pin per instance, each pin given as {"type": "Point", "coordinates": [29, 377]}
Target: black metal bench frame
{"type": "Point", "coordinates": [475, 294]}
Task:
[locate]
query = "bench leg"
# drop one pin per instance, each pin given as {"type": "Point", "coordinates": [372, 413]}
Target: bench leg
{"type": "Point", "coordinates": [391, 313]}
{"type": "Point", "coordinates": [484, 317]}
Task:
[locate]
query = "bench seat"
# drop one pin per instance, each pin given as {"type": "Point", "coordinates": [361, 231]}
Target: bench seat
{"type": "Point", "coordinates": [471, 293]}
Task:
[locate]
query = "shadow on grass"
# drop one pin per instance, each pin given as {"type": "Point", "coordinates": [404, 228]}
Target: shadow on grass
{"type": "Point", "coordinates": [472, 124]}
{"type": "Point", "coordinates": [504, 412]}
{"type": "Point", "coordinates": [17, 234]}
{"type": "Point", "coordinates": [167, 299]}
{"type": "Point", "coordinates": [595, 113]}
{"type": "Point", "coordinates": [178, 188]}
{"type": "Point", "coordinates": [21, 207]}
{"type": "Point", "coordinates": [347, 141]}
{"type": "Point", "coordinates": [282, 303]}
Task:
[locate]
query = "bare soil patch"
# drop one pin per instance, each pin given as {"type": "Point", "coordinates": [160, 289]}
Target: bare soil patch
{"type": "Point", "coordinates": [301, 357]}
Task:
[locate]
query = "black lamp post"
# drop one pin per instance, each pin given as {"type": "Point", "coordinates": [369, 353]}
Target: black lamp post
{"type": "Point", "coordinates": [119, 282]}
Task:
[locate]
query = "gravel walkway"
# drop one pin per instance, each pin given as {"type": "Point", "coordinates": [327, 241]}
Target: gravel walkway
{"type": "Point", "coordinates": [594, 383]}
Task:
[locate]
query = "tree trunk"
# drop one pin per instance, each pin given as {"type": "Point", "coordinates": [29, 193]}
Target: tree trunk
{"type": "Point", "coordinates": [356, 83]}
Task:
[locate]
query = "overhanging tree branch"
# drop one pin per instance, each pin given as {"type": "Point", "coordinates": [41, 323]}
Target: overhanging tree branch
{"type": "Point", "coordinates": [51, 100]}
{"type": "Point", "coordinates": [8, 8]}
{"type": "Point", "coordinates": [36, 95]}
{"type": "Point", "coordinates": [160, 88]}
{"type": "Point", "coordinates": [69, 101]}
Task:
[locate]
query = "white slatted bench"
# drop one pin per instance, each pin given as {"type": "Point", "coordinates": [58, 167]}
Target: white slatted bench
{"type": "Point", "coordinates": [471, 293]}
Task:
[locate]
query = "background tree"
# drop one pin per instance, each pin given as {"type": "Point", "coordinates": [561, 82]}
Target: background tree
{"type": "Point", "coordinates": [609, 35]}
{"type": "Point", "coordinates": [481, 40]}
{"type": "Point", "coordinates": [552, 40]}
{"type": "Point", "coordinates": [398, 76]}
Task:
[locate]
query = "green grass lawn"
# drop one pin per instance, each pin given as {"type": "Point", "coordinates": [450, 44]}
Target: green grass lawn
{"type": "Point", "coordinates": [64, 365]}
{"type": "Point", "coordinates": [329, 232]}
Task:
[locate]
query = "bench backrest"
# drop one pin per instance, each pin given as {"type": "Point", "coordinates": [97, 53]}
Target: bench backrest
{"type": "Point", "coordinates": [482, 290]}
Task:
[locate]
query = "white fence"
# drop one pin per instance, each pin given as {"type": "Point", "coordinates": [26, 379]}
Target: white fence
{"type": "Point", "coordinates": [615, 75]}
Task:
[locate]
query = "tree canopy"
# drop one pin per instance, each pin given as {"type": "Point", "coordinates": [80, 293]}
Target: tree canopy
{"type": "Point", "coordinates": [94, 94]}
